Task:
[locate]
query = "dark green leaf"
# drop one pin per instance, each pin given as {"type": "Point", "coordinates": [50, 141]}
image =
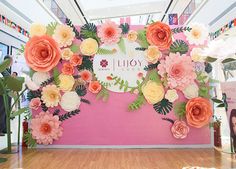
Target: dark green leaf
{"type": "Point", "coordinates": [89, 30]}
{"type": "Point", "coordinates": [228, 60]}
{"type": "Point", "coordinates": [19, 112]}
{"type": "Point", "coordinates": [180, 29]}
{"type": "Point", "coordinates": [14, 83]}
{"type": "Point", "coordinates": [68, 115]}
{"type": "Point", "coordinates": [179, 109]}
{"type": "Point", "coordinates": [221, 105]}
{"type": "Point", "coordinates": [81, 90]}
{"type": "Point", "coordinates": [163, 107]}
{"type": "Point", "coordinates": [77, 34]}
{"type": "Point", "coordinates": [179, 46]}
{"type": "Point", "coordinates": [5, 64]}
{"type": "Point", "coordinates": [125, 28]}
{"type": "Point", "coordinates": [216, 100]}
{"type": "Point", "coordinates": [151, 66]}
{"type": "Point", "coordinates": [86, 64]}
{"type": "Point", "coordinates": [140, 48]}
{"type": "Point", "coordinates": [210, 59]}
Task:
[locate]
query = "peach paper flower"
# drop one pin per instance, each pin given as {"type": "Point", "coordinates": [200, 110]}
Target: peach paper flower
{"type": "Point", "coordinates": [179, 69]}
{"type": "Point", "coordinates": [198, 112]}
{"type": "Point", "coordinates": [64, 35]}
{"type": "Point", "coordinates": [180, 129]}
{"type": "Point", "coordinates": [76, 60]}
{"type": "Point", "coordinates": [159, 34]}
{"type": "Point", "coordinates": [109, 32]}
{"type": "Point", "coordinates": [46, 128]}
{"type": "Point", "coordinates": [68, 69]}
{"type": "Point", "coordinates": [51, 95]}
{"type": "Point", "coordinates": [42, 53]}
{"type": "Point", "coordinates": [35, 103]}
{"type": "Point", "coordinates": [94, 87]}
{"type": "Point", "coordinates": [86, 75]}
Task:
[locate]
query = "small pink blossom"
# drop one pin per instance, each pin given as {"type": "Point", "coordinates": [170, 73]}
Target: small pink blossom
{"type": "Point", "coordinates": [180, 129]}
{"type": "Point", "coordinates": [179, 70]}
{"type": "Point", "coordinates": [109, 32]}
{"type": "Point", "coordinates": [46, 128]}
{"type": "Point", "coordinates": [35, 103]}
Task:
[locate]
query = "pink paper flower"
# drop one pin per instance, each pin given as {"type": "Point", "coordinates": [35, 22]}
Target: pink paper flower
{"type": "Point", "coordinates": [46, 128]}
{"type": "Point", "coordinates": [178, 69]}
{"type": "Point", "coordinates": [180, 129]}
{"type": "Point", "coordinates": [109, 33]}
{"type": "Point", "coordinates": [35, 103]}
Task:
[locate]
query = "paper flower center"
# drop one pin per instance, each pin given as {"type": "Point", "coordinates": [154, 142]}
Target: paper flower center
{"type": "Point", "coordinates": [45, 128]}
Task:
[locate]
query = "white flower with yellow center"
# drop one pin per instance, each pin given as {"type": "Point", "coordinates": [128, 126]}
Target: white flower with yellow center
{"type": "Point", "coordinates": [197, 55]}
{"type": "Point", "coordinates": [66, 54]}
{"type": "Point", "coordinates": [63, 35]}
{"type": "Point", "coordinates": [51, 95]}
{"type": "Point", "coordinates": [37, 30]}
{"type": "Point", "coordinates": [171, 95]}
{"type": "Point", "coordinates": [197, 35]}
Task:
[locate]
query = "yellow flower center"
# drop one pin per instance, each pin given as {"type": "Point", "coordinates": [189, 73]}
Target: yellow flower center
{"type": "Point", "coordinates": [64, 34]}
{"type": "Point", "coordinates": [196, 34]}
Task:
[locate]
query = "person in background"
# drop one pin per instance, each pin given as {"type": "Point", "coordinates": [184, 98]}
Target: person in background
{"type": "Point", "coordinates": [14, 74]}
{"type": "Point", "coordinates": [3, 129]}
{"type": "Point", "coordinates": [232, 124]}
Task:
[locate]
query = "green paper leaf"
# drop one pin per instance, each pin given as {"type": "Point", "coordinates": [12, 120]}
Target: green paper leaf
{"type": "Point", "coordinates": [142, 39]}
{"type": "Point", "coordinates": [86, 64]}
{"type": "Point", "coordinates": [163, 107]}
{"type": "Point", "coordinates": [103, 94]}
{"type": "Point", "coordinates": [4, 65]}
{"type": "Point", "coordinates": [180, 29]}
{"type": "Point", "coordinates": [228, 60]}
{"type": "Point", "coordinates": [56, 74]}
{"type": "Point", "coordinates": [70, 24]}
{"type": "Point", "coordinates": [74, 48]}
{"type": "Point", "coordinates": [137, 103]}
{"type": "Point", "coordinates": [121, 45]}
{"type": "Point", "coordinates": [103, 51]}
{"type": "Point", "coordinates": [124, 27]}
{"type": "Point", "coordinates": [179, 109]}
{"type": "Point", "coordinates": [151, 66]}
{"type": "Point", "coordinates": [204, 92]}
{"type": "Point", "coordinates": [29, 139]}
{"type": "Point", "coordinates": [51, 27]}
{"type": "Point", "coordinates": [179, 46]}
{"type": "Point", "coordinates": [89, 30]}
{"type": "Point", "coordinates": [13, 83]}
{"type": "Point", "coordinates": [19, 112]}
{"type": "Point", "coordinates": [216, 100]}
{"type": "Point", "coordinates": [210, 59]}
{"type": "Point", "coordinates": [221, 105]}
{"type": "Point", "coordinates": [153, 75]}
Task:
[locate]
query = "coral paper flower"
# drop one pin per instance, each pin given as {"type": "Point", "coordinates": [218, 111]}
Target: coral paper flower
{"type": "Point", "coordinates": [94, 87]}
{"type": "Point", "coordinates": [109, 32]}
{"type": "Point", "coordinates": [180, 129]}
{"type": "Point", "coordinates": [153, 92]}
{"type": "Point", "coordinates": [179, 69]}
{"type": "Point", "coordinates": [46, 128]}
{"type": "Point", "coordinates": [42, 53]}
{"type": "Point", "coordinates": [64, 35]}
{"type": "Point", "coordinates": [66, 54]}
{"type": "Point", "coordinates": [66, 82]}
{"type": "Point", "coordinates": [68, 69]}
{"type": "Point", "coordinates": [198, 112]}
{"type": "Point", "coordinates": [197, 35]}
{"type": "Point", "coordinates": [159, 34]}
{"type": "Point", "coordinates": [35, 103]}
{"type": "Point", "coordinates": [70, 101]}
{"type": "Point", "coordinates": [152, 54]}
{"type": "Point", "coordinates": [51, 95]}
{"type": "Point", "coordinates": [89, 47]}
{"type": "Point", "coordinates": [132, 36]}
{"type": "Point", "coordinates": [76, 60]}
{"type": "Point", "coordinates": [85, 75]}
{"type": "Point", "coordinates": [37, 30]}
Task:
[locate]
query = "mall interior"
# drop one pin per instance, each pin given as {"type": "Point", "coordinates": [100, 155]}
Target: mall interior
{"type": "Point", "coordinates": [108, 84]}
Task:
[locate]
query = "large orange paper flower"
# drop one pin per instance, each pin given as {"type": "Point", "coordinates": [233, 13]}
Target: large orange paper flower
{"type": "Point", "coordinates": [159, 34]}
{"type": "Point", "coordinates": [198, 112]}
{"type": "Point", "coordinates": [42, 53]}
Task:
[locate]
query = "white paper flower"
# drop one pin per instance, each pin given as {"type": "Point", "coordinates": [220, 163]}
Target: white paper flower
{"type": "Point", "coordinates": [171, 95]}
{"type": "Point", "coordinates": [191, 91]}
{"type": "Point", "coordinates": [39, 77]}
{"type": "Point", "coordinates": [70, 101]}
{"type": "Point", "coordinates": [30, 84]}
{"type": "Point", "coordinates": [197, 55]}
{"type": "Point", "coordinates": [197, 35]}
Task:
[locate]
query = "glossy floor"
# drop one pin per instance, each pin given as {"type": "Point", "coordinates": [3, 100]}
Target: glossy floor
{"type": "Point", "coordinates": [118, 159]}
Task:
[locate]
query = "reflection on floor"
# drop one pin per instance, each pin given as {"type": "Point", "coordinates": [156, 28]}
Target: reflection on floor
{"type": "Point", "coordinates": [119, 159]}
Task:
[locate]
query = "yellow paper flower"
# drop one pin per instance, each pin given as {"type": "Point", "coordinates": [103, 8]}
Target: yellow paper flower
{"type": "Point", "coordinates": [132, 36]}
{"type": "Point", "coordinates": [66, 54]}
{"type": "Point", "coordinates": [153, 92]}
{"type": "Point", "coordinates": [152, 54]}
{"type": "Point", "coordinates": [37, 30]}
{"type": "Point", "coordinates": [196, 55]}
{"type": "Point", "coordinates": [89, 47]}
{"type": "Point", "coordinates": [63, 35]}
{"type": "Point", "coordinates": [51, 95]}
{"type": "Point", "coordinates": [66, 82]}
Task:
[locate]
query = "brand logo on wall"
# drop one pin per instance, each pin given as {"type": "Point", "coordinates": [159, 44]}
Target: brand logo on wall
{"type": "Point", "coordinates": [128, 66]}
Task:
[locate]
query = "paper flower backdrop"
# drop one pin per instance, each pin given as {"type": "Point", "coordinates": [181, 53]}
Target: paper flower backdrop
{"type": "Point", "coordinates": [62, 73]}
